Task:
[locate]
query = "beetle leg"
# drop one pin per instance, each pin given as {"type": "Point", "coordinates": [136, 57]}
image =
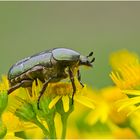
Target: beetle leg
{"type": "Point", "coordinates": [24, 83]}
{"type": "Point", "coordinates": [79, 77]}
{"type": "Point", "coordinates": [73, 84]}
{"type": "Point", "coordinates": [42, 91]}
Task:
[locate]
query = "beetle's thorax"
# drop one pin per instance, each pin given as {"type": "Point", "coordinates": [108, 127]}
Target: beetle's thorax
{"type": "Point", "coordinates": [58, 71]}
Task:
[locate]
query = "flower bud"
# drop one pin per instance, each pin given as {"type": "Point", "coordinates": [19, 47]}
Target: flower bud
{"type": "Point", "coordinates": [44, 105]}
{"type": "Point", "coordinates": [26, 112]}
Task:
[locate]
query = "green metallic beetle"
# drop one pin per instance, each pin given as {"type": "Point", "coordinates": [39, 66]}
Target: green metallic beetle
{"type": "Point", "coordinates": [48, 66]}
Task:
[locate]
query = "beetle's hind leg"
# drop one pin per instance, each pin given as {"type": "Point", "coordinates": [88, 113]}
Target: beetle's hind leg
{"type": "Point", "coordinates": [24, 83]}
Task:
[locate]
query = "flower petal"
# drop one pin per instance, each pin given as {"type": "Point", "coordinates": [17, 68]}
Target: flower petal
{"type": "Point", "coordinates": [85, 101]}
{"type": "Point", "coordinates": [54, 101]}
{"type": "Point", "coordinates": [92, 118]}
{"type": "Point", "coordinates": [65, 100]}
{"type": "Point", "coordinates": [133, 110]}
{"type": "Point", "coordinates": [131, 92]}
{"type": "Point", "coordinates": [127, 102]}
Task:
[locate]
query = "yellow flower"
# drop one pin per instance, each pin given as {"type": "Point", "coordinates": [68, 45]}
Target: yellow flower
{"type": "Point", "coordinates": [64, 91]}
{"type": "Point", "coordinates": [135, 121]}
{"type": "Point", "coordinates": [124, 133]}
{"type": "Point", "coordinates": [4, 84]}
{"type": "Point", "coordinates": [11, 122]}
{"type": "Point", "coordinates": [105, 106]}
{"type": "Point", "coordinates": [123, 57]}
{"type": "Point", "coordinates": [60, 91]}
{"type": "Point", "coordinates": [14, 124]}
{"type": "Point", "coordinates": [126, 74]}
{"type": "Point", "coordinates": [106, 114]}
{"type": "Point", "coordinates": [131, 104]}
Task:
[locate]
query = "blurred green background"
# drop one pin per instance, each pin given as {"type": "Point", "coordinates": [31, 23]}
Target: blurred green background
{"type": "Point", "coordinates": [27, 28]}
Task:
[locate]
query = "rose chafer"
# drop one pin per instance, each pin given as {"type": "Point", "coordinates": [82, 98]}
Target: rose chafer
{"type": "Point", "coordinates": [48, 66]}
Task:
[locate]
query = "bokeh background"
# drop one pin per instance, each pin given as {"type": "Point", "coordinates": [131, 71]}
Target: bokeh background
{"type": "Point", "coordinates": [27, 28]}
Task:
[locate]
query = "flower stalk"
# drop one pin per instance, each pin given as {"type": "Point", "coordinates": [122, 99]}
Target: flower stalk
{"type": "Point", "coordinates": [51, 126]}
{"type": "Point", "coordinates": [64, 115]}
{"type": "Point", "coordinates": [48, 115]}
{"type": "Point", "coordinates": [44, 129]}
{"type": "Point", "coordinates": [64, 119]}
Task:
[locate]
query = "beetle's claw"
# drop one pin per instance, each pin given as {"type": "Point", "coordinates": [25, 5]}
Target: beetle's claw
{"type": "Point", "coordinates": [81, 84]}
{"type": "Point", "coordinates": [72, 100]}
{"type": "Point", "coordinates": [38, 105]}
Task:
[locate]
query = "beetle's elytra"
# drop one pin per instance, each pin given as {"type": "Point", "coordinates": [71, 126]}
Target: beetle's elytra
{"type": "Point", "coordinates": [48, 66]}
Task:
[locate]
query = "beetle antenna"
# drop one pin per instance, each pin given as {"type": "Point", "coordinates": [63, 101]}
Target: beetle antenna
{"type": "Point", "coordinates": [90, 54]}
{"type": "Point", "coordinates": [92, 60]}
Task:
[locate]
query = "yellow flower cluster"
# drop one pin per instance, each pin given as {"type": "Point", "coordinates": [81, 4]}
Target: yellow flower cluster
{"type": "Point", "coordinates": [23, 105]}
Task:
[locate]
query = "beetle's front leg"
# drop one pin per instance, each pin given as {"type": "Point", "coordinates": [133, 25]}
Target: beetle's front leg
{"type": "Point", "coordinates": [73, 84]}
{"type": "Point", "coordinates": [42, 91]}
{"type": "Point", "coordinates": [79, 77]}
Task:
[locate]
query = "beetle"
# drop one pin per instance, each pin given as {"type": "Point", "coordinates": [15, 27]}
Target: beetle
{"type": "Point", "coordinates": [48, 66]}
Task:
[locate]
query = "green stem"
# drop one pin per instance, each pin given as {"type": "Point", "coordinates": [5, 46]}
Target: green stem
{"type": "Point", "coordinates": [51, 125]}
{"type": "Point", "coordinates": [3, 129]}
{"type": "Point", "coordinates": [64, 115]}
{"type": "Point", "coordinates": [39, 124]}
{"type": "Point", "coordinates": [64, 119]}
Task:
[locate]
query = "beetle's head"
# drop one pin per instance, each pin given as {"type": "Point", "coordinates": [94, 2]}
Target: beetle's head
{"type": "Point", "coordinates": [84, 60]}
